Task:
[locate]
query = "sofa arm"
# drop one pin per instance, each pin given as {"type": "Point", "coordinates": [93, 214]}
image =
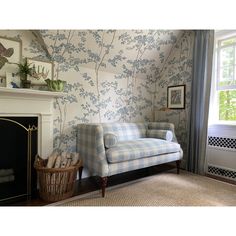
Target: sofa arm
{"type": "Point", "coordinates": [90, 146]}
{"type": "Point", "coordinates": [163, 126]}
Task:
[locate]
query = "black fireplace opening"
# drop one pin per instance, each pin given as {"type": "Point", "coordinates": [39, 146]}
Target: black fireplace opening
{"type": "Point", "coordinates": [18, 147]}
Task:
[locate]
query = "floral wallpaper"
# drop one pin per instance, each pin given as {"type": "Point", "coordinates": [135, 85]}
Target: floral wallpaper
{"type": "Point", "coordinates": [113, 75]}
{"type": "Point", "coordinates": [110, 75]}
{"type": "Point", "coordinates": [177, 71]}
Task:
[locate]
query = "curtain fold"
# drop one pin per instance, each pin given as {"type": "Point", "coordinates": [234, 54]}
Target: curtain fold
{"type": "Point", "coordinates": [200, 96]}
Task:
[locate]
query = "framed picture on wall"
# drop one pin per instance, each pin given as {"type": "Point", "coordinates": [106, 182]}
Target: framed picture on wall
{"type": "Point", "coordinates": [42, 70]}
{"type": "Point", "coordinates": [10, 52]}
{"type": "Point", "coordinates": [176, 97]}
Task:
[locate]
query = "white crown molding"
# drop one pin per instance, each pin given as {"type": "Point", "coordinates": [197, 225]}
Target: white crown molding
{"type": "Point", "coordinates": [219, 34]}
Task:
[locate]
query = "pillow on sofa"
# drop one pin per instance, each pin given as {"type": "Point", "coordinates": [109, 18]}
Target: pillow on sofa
{"type": "Point", "coordinates": [110, 140]}
{"type": "Point", "coordinates": [161, 134]}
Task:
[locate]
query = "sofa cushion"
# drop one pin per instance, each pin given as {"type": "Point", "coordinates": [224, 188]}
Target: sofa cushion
{"type": "Point", "coordinates": [135, 149]}
{"type": "Point", "coordinates": [110, 139]}
{"type": "Point", "coordinates": [126, 131]}
{"type": "Point", "coordinates": [161, 134]}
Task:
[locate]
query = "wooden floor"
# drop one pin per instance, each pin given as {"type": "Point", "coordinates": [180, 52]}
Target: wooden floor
{"type": "Point", "coordinates": [92, 183]}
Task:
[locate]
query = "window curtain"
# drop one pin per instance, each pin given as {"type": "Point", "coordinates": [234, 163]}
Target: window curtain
{"type": "Point", "coordinates": [200, 96]}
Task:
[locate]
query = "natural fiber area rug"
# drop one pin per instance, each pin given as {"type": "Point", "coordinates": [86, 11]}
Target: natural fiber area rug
{"type": "Point", "coordinates": [164, 189]}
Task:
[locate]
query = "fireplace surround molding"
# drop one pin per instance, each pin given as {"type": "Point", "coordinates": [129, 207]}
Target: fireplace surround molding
{"type": "Point", "coordinates": [29, 102]}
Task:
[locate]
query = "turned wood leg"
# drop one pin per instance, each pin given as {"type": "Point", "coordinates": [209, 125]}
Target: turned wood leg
{"type": "Point", "coordinates": [103, 185]}
{"type": "Point", "coordinates": [80, 172]}
{"type": "Point", "coordinates": [178, 166]}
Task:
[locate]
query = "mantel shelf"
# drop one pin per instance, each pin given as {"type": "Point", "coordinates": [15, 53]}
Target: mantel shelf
{"type": "Point", "coordinates": [28, 102]}
{"type": "Point", "coordinates": [30, 93]}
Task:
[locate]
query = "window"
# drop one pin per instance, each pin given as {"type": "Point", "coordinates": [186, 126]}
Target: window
{"type": "Point", "coordinates": [225, 78]}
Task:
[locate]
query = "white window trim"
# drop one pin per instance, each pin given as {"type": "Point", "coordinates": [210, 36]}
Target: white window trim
{"type": "Point", "coordinates": [228, 87]}
{"type": "Point", "coordinates": [214, 100]}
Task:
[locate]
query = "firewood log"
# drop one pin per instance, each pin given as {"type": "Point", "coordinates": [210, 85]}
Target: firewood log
{"type": "Point", "coordinates": [52, 159]}
{"type": "Point", "coordinates": [58, 162]}
{"type": "Point", "coordinates": [63, 159]}
{"type": "Point", "coordinates": [69, 159]}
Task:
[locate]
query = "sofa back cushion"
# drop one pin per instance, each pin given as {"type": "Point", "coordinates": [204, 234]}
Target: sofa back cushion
{"type": "Point", "coordinates": [125, 131]}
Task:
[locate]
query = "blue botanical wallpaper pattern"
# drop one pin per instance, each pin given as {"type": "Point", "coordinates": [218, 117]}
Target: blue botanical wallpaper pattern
{"type": "Point", "coordinates": [113, 75]}
{"type": "Point", "coordinates": [177, 71]}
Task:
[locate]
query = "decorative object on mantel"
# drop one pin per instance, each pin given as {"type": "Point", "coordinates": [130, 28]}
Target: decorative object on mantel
{"type": "Point", "coordinates": [10, 53]}
{"type": "Point", "coordinates": [24, 69]}
{"type": "Point", "coordinates": [55, 85]}
{"type": "Point", "coordinates": [12, 80]}
{"type": "Point", "coordinates": [57, 175]}
{"type": "Point", "coordinates": [43, 75]}
{"type": "Point", "coordinates": [42, 70]}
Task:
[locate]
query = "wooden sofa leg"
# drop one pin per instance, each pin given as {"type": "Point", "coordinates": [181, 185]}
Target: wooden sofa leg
{"type": "Point", "coordinates": [103, 185]}
{"type": "Point", "coordinates": [178, 165]}
{"type": "Point", "coordinates": [80, 172]}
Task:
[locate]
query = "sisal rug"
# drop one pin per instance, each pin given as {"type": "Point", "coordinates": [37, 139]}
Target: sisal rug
{"type": "Point", "coordinates": [164, 189]}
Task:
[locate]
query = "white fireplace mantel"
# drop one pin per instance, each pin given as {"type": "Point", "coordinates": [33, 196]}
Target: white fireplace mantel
{"type": "Point", "coordinates": [29, 102]}
{"type": "Point", "coordinates": [30, 93]}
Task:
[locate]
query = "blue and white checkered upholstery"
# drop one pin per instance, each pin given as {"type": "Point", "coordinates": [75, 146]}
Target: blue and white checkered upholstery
{"type": "Point", "coordinates": [136, 149]}
{"type": "Point", "coordinates": [160, 134]}
{"type": "Point", "coordinates": [126, 131]}
{"type": "Point", "coordinates": [121, 167]}
{"type": "Point", "coordinates": [163, 126]}
{"type": "Point", "coordinates": [90, 145]}
{"type": "Point", "coordinates": [110, 140]}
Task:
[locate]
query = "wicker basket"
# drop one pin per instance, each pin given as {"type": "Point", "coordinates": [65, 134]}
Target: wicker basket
{"type": "Point", "coordinates": [56, 184]}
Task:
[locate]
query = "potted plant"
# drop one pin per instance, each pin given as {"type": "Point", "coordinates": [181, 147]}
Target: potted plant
{"type": "Point", "coordinates": [24, 69]}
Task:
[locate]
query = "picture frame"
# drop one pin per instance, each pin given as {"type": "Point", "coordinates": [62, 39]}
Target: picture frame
{"type": "Point", "coordinates": [12, 80]}
{"type": "Point", "coordinates": [10, 51]}
{"type": "Point", "coordinates": [176, 97]}
{"type": "Point", "coordinates": [43, 70]}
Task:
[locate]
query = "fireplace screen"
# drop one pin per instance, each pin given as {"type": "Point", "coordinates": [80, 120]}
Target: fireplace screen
{"type": "Point", "coordinates": [18, 147]}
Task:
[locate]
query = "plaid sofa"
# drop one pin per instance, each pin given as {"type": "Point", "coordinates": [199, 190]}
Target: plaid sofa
{"type": "Point", "coordinates": [112, 148]}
